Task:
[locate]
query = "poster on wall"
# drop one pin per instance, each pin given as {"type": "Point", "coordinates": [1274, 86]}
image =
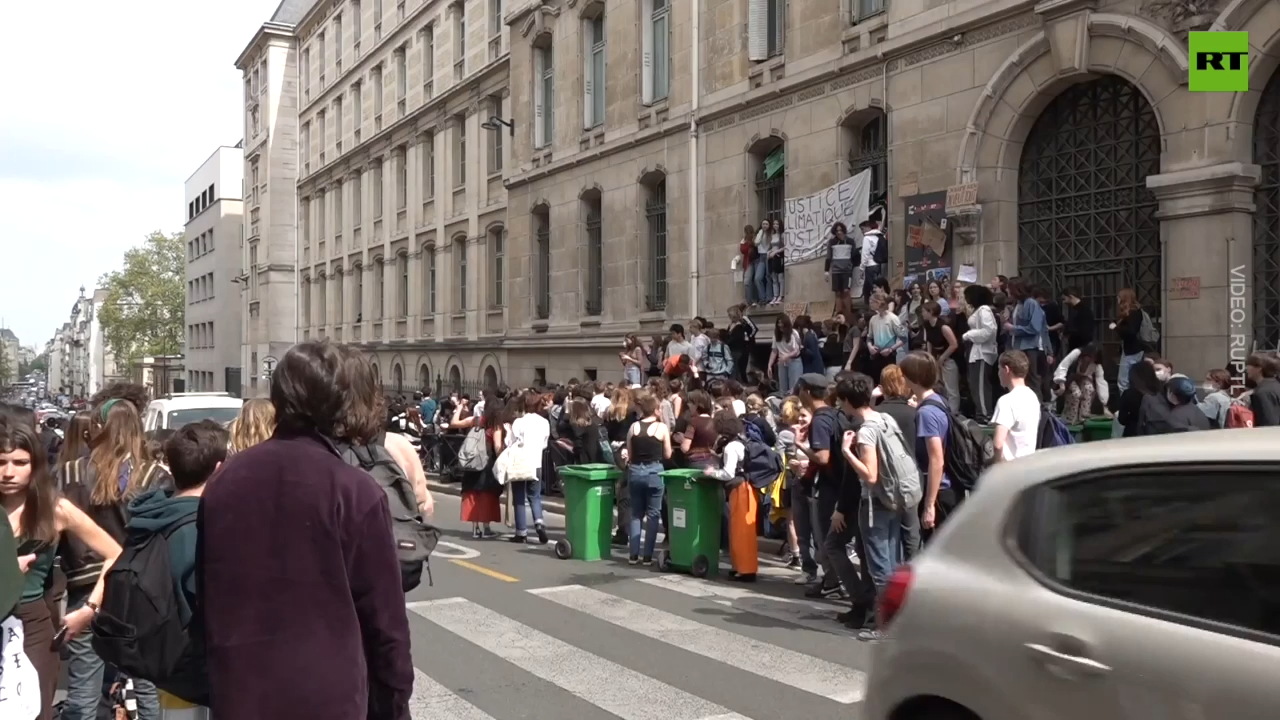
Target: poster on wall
{"type": "Point", "coordinates": [927, 257]}
{"type": "Point", "coordinates": [808, 219]}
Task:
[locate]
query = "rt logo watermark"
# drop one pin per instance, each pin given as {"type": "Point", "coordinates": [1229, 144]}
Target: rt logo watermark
{"type": "Point", "coordinates": [1219, 62]}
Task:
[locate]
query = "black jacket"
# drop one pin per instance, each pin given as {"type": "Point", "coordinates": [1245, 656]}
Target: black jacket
{"type": "Point", "coordinates": [1265, 403]}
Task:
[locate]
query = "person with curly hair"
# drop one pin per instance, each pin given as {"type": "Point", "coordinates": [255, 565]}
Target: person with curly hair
{"type": "Point", "coordinates": [137, 395]}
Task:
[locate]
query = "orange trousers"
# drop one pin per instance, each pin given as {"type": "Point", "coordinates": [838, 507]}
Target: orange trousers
{"type": "Point", "coordinates": [743, 545]}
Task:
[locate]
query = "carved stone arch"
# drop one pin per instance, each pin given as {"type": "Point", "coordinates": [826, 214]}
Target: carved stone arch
{"type": "Point", "coordinates": [541, 205]}
{"type": "Point", "coordinates": [490, 370]}
{"type": "Point", "coordinates": [499, 225]}
{"type": "Point", "coordinates": [397, 359]}
{"type": "Point", "coordinates": [397, 372]}
{"type": "Point", "coordinates": [652, 176]}
{"type": "Point", "coordinates": [306, 278]}
{"type": "Point", "coordinates": [1036, 73]}
{"type": "Point", "coordinates": [591, 192]}
{"type": "Point", "coordinates": [590, 9]}
{"type": "Point", "coordinates": [853, 116]}
{"type": "Point", "coordinates": [322, 274]}
{"type": "Point", "coordinates": [455, 374]}
{"type": "Point", "coordinates": [1261, 19]}
{"type": "Point", "coordinates": [764, 144]}
{"type": "Point", "coordinates": [422, 372]}
{"type": "Point", "coordinates": [377, 371]}
{"type": "Point", "coordinates": [377, 260]}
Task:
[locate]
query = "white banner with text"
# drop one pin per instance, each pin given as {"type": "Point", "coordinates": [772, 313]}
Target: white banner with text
{"type": "Point", "coordinates": [808, 220]}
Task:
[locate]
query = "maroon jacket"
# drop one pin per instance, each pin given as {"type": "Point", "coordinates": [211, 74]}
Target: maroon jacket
{"type": "Point", "coordinates": [300, 588]}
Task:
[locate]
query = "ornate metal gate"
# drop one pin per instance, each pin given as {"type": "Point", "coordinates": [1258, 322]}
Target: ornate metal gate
{"type": "Point", "coordinates": [1266, 221]}
{"type": "Point", "coordinates": [1085, 216]}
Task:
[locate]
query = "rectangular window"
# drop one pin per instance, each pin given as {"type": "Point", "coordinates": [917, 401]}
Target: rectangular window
{"type": "Point", "coordinates": [863, 9]}
{"type": "Point", "coordinates": [376, 79]}
{"type": "Point", "coordinates": [339, 303]}
{"type": "Point", "coordinates": [496, 136]}
{"type": "Point", "coordinates": [337, 211]}
{"type": "Point", "coordinates": [304, 148]}
{"type": "Point", "coordinates": [358, 272]}
{"type": "Point", "coordinates": [656, 40]}
{"type": "Point", "coordinates": [402, 287]}
{"type": "Point", "coordinates": [402, 178]}
{"type": "Point", "coordinates": [337, 47]}
{"type": "Point", "coordinates": [322, 209]}
{"type": "Point", "coordinates": [656, 216]}
{"type": "Point", "coordinates": [322, 123]}
{"type": "Point", "coordinates": [594, 72]}
{"type": "Point", "coordinates": [357, 200]}
{"type": "Point", "coordinates": [431, 281]}
{"type": "Point", "coordinates": [544, 96]}
{"type": "Point", "coordinates": [322, 55]}
{"type": "Point", "coordinates": [495, 29]}
{"type": "Point", "coordinates": [460, 255]}
{"type": "Point", "coordinates": [428, 157]}
{"type": "Point", "coordinates": [498, 252]}
{"type": "Point", "coordinates": [338, 122]}
{"type": "Point", "coordinates": [357, 27]}
{"type": "Point", "coordinates": [306, 74]}
{"type": "Point", "coordinates": [428, 61]}
{"type": "Point", "coordinates": [766, 28]}
{"type": "Point", "coordinates": [595, 258]}
{"type": "Point", "coordinates": [460, 152]}
{"type": "Point", "coordinates": [777, 26]}
{"type": "Point", "coordinates": [380, 288]}
{"type": "Point", "coordinates": [377, 190]}
{"type": "Point", "coordinates": [402, 80]}
{"type": "Point", "coordinates": [459, 41]}
{"type": "Point", "coordinates": [357, 110]}
{"type": "Point", "coordinates": [542, 228]}
{"type": "Point", "coordinates": [306, 303]}
{"type": "Point", "coordinates": [378, 12]}
{"type": "Point", "coordinates": [322, 304]}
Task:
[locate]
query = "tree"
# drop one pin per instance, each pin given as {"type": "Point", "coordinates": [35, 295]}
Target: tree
{"type": "Point", "coordinates": [143, 310]}
{"type": "Point", "coordinates": [5, 369]}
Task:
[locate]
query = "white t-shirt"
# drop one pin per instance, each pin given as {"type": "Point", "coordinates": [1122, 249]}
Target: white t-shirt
{"type": "Point", "coordinates": [739, 408]}
{"type": "Point", "coordinates": [869, 242]}
{"type": "Point", "coordinates": [534, 432]}
{"type": "Point", "coordinates": [601, 404]}
{"type": "Point", "coordinates": [1019, 411]}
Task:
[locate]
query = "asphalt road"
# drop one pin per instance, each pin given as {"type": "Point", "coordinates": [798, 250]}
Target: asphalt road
{"type": "Point", "coordinates": [508, 631]}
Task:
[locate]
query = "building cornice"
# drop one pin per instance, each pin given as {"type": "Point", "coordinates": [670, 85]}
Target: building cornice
{"type": "Point", "coordinates": [265, 34]}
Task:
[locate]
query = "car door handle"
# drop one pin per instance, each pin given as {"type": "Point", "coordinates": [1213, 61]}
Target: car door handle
{"type": "Point", "coordinates": [1083, 663]}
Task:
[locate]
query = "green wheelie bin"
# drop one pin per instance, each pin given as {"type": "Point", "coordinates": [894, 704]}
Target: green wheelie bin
{"type": "Point", "coordinates": [588, 511]}
{"type": "Point", "coordinates": [696, 504]}
{"type": "Point", "coordinates": [1096, 428]}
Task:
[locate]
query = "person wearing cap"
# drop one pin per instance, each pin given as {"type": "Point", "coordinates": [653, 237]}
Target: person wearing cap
{"type": "Point", "coordinates": [1172, 411]}
{"type": "Point", "coordinates": [826, 435]}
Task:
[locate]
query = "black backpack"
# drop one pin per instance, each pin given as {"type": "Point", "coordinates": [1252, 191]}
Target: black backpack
{"type": "Point", "coordinates": [761, 464]}
{"type": "Point", "coordinates": [881, 252]}
{"type": "Point", "coordinates": [969, 449]}
{"type": "Point", "coordinates": [415, 537]}
{"type": "Point", "coordinates": [139, 627]}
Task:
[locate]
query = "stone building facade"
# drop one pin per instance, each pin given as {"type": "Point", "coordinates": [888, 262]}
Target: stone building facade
{"type": "Point", "coordinates": [1095, 166]}
{"type": "Point", "coordinates": [402, 209]}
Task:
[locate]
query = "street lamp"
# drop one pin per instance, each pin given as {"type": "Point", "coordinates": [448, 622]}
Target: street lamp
{"type": "Point", "coordinates": [494, 123]}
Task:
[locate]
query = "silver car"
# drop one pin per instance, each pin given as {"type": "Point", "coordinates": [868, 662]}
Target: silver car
{"type": "Point", "coordinates": [1133, 579]}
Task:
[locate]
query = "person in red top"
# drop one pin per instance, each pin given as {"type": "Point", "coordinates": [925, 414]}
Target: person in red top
{"type": "Point", "coordinates": [300, 586]}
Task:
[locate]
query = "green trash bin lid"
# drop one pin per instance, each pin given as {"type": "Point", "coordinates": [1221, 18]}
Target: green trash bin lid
{"type": "Point", "coordinates": [593, 471]}
{"type": "Point", "coordinates": [1098, 422]}
{"type": "Point", "coordinates": [683, 473]}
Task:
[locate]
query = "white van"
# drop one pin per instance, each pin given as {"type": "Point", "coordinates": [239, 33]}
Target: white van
{"type": "Point", "coordinates": [178, 409]}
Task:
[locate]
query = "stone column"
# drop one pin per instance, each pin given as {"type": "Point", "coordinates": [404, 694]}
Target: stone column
{"type": "Point", "coordinates": [1206, 228]}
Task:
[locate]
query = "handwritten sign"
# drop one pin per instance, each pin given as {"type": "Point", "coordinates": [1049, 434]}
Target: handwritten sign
{"type": "Point", "coordinates": [1186, 288]}
{"type": "Point", "coordinates": [809, 219]}
{"type": "Point", "coordinates": [962, 195]}
{"type": "Point", "coordinates": [19, 681]}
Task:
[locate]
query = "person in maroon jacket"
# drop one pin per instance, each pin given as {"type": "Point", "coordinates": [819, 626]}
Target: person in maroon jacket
{"type": "Point", "coordinates": [300, 586]}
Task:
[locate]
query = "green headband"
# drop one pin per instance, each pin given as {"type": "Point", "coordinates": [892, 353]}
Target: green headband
{"type": "Point", "coordinates": [106, 407]}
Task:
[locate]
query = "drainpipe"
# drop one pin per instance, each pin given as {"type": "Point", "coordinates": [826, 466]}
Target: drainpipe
{"type": "Point", "coordinates": [694, 195]}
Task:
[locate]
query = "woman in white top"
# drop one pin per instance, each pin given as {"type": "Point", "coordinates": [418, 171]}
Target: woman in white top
{"type": "Point", "coordinates": [983, 333]}
{"type": "Point", "coordinates": [530, 433]}
{"type": "Point", "coordinates": [1079, 377]}
{"type": "Point", "coordinates": [784, 361]}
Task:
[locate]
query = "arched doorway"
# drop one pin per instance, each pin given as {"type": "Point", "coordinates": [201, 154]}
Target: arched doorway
{"type": "Point", "coordinates": [377, 374]}
{"type": "Point", "coordinates": [455, 379]}
{"type": "Point", "coordinates": [397, 377]}
{"type": "Point", "coordinates": [424, 378]}
{"type": "Point", "coordinates": [1085, 217]}
{"type": "Point", "coordinates": [1266, 221]}
{"type": "Point", "coordinates": [490, 377]}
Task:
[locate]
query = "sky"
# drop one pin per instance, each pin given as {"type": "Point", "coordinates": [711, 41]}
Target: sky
{"type": "Point", "coordinates": [108, 108]}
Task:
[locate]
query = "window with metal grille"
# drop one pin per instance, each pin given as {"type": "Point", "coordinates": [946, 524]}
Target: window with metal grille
{"type": "Point", "coordinates": [542, 285]}
{"type": "Point", "coordinates": [402, 292]}
{"type": "Point", "coordinates": [339, 300]}
{"type": "Point", "coordinates": [428, 156]}
{"type": "Point", "coordinates": [431, 280]}
{"type": "Point", "coordinates": [869, 151]}
{"type": "Point", "coordinates": [771, 185]}
{"type": "Point", "coordinates": [656, 217]}
{"type": "Point", "coordinates": [357, 271]}
{"type": "Point", "coordinates": [322, 306]}
{"type": "Point", "coordinates": [595, 257]}
{"type": "Point", "coordinates": [460, 257]}
{"type": "Point", "coordinates": [1266, 223]}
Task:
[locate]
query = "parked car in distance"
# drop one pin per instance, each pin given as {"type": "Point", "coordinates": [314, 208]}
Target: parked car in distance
{"type": "Point", "coordinates": [178, 409]}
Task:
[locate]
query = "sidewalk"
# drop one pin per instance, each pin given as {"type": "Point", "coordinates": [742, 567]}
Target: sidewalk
{"type": "Point", "coordinates": [555, 506]}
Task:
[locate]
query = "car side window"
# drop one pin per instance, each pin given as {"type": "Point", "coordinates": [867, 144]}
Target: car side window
{"type": "Point", "coordinates": [1202, 543]}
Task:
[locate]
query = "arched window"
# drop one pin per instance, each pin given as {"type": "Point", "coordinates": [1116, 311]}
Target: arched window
{"type": "Point", "coordinates": [655, 214]}
{"type": "Point", "coordinates": [770, 161]}
{"type": "Point", "coordinates": [397, 377]}
{"type": "Point", "coordinates": [460, 266]}
{"type": "Point", "coordinates": [424, 377]}
{"type": "Point", "coordinates": [455, 379]}
{"type": "Point", "coordinates": [865, 135]}
{"type": "Point", "coordinates": [498, 265]}
{"type": "Point", "coordinates": [380, 288]}
{"type": "Point", "coordinates": [357, 276]}
{"type": "Point", "coordinates": [542, 252]}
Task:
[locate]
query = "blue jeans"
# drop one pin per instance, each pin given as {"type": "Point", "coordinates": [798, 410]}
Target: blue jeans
{"type": "Point", "coordinates": [757, 281]}
{"type": "Point", "coordinates": [85, 671]}
{"type": "Point", "coordinates": [645, 485]}
{"type": "Point", "coordinates": [631, 374]}
{"type": "Point", "coordinates": [527, 491]}
{"type": "Point", "coordinates": [1127, 362]}
{"type": "Point", "coordinates": [882, 539]}
{"type": "Point", "coordinates": [788, 374]}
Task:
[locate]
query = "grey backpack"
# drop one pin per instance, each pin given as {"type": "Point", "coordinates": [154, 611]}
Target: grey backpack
{"type": "Point", "coordinates": [1147, 332]}
{"type": "Point", "coordinates": [898, 481]}
{"type": "Point", "coordinates": [474, 453]}
{"type": "Point", "coordinates": [415, 537]}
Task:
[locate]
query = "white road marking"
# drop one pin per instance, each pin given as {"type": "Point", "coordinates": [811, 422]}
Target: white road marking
{"type": "Point", "coordinates": [431, 701]}
{"type": "Point", "coordinates": [820, 677]}
{"type": "Point", "coordinates": [605, 684]}
{"type": "Point", "coordinates": [459, 552]}
{"type": "Point", "coordinates": [805, 613]}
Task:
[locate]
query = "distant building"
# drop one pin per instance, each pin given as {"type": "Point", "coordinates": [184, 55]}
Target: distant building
{"type": "Point", "coordinates": [10, 352]}
{"type": "Point", "coordinates": [215, 217]}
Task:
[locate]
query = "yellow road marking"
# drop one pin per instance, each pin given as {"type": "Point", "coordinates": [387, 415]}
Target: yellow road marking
{"type": "Point", "coordinates": [485, 571]}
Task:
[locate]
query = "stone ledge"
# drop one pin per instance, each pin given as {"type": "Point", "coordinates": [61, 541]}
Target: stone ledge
{"type": "Point", "coordinates": [1208, 190]}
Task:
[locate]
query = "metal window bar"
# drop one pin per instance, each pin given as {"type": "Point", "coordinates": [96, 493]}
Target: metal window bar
{"type": "Point", "coordinates": [542, 305]}
{"type": "Point", "coordinates": [871, 152]}
{"type": "Point", "coordinates": [595, 261]}
{"type": "Point", "coordinates": [771, 194]}
{"type": "Point", "coordinates": [656, 213]}
{"type": "Point", "coordinates": [1266, 225]}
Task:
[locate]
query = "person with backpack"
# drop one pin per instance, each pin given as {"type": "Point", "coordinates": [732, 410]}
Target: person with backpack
{"type": "Point", "coordinates": [873, 258]}
{"type": "Point", "coordinates": [933, 438]}
{"type": "Point", "coordinates": [746, 466]}
{"type": "Point", "coordinates": [1017, 416]}
{"type": "Point", "coordinates": [1128, 325]}
{"type": "Point", "coordinates": [825, 434]}
{"type": "Point", "coordinates": [146, 624]}
{"type": "Point", "coordinates": [328, 639]}
{"type": "Point", "coordinates": [883, 488]}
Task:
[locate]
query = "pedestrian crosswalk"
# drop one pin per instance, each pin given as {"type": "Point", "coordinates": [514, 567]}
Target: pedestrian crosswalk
{"type": "Point", "coordinates": [611, 651]}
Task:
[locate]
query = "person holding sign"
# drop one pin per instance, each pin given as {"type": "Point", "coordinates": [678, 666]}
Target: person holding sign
{"type": "Point", "coordinates": [839, 267]}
